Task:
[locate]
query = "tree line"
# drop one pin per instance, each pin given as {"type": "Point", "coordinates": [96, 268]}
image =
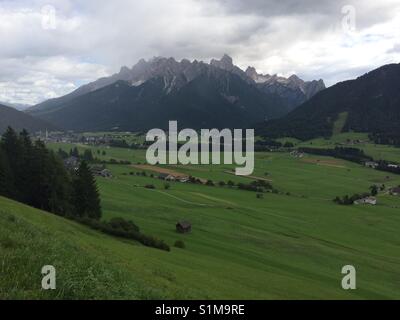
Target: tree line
{"type": "Point", "coordinates": [33, 175]}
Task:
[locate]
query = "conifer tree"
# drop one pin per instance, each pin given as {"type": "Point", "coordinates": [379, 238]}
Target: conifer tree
{"type": "Point", "coordinates": [6, 180]}
{"type": "Point", "coordinates": [86, 195]}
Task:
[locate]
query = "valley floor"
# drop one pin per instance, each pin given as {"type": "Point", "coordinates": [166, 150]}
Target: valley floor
{"type": "Point", "coordinates": [290, 245]}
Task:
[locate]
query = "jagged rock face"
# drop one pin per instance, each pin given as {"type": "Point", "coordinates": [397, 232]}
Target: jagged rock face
{"type": "Point", "coordinates": [175, 75]}
{"type": "Point", "coordinates": [246, 96]}
{"type": "Point", "coordinates": [293, 90]}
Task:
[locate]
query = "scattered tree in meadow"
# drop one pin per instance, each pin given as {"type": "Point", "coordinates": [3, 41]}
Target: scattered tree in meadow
{"type": "Point", "coordinates": [179, 244]}
{"type": "Point", "coordinates": [374, 190]}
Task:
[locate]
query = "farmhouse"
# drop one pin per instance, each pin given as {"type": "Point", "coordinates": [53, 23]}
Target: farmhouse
{"type": "Point", "coordinates": [367, 200]}
{"type": "Point", "coordinates": [371, 164]}
{"type": "Point", "coordinates": [183, 179]}
{"type": "Point", "coordinates": [297, 154]}
{"type": "Point", "coordinates": [71, 163]}
{"type": "Point", "coordinates": [183, 227]}
{"type": "Point", "coordinates": [166, 177]}
{"type": "Point", "coordinates": [395, 191]}
{"type": "Point", "coordinates": [171, 177]}
{"type": "Point", "coordinates": [101, 171]}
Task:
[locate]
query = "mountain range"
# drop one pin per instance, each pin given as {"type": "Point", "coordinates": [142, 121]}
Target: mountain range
{"type": "Point", "coordinates": [19, 120]}
{"type": "Point", "coordinates": [196, 94]}
{"type": "Point", "coordinates": [18, 106]}
{"type": "Point", "coordinates": [370, 103]}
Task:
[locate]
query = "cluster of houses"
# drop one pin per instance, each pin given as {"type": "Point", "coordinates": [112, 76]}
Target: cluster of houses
{"type": "Point", "coordinates": [71, 137]}
{"type": "Point", "coordinates": [72, 164]}
{"type": "Point", "coordinates": [374, 165]}
{"type": "Point", "coordinates": [373, 200]}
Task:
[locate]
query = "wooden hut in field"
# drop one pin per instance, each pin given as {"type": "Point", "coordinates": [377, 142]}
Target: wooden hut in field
{"type": "Point", "coordinates": [183, 227]}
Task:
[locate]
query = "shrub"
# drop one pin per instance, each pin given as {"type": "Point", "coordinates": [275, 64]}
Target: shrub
{"type": "Point", "coordinates": [149, 186]}
{"type": "Point", "coordinates": [231, 183]}
{"type": "Point", "coordinates": [118, 227]}
{"type": "Point", "coordinates": [179, 244]}
{"type": "Point", "coordinates": [122, 224]}
{"type": "Point", "coordinates": [210, 183]}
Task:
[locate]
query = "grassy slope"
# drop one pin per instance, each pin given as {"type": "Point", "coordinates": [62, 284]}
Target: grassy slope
{"type": "Point", "coordinates": [242, 247]}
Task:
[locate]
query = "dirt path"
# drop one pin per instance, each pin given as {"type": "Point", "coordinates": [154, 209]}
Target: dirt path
{"type": "Point", "coordinates": [180, 199]}
{"type": "Point", "coordinates": [160, 170]}
{"type": "Point", "coordinates": [250, 177]}
{"type": "Point", "coordinates": [328, 163]}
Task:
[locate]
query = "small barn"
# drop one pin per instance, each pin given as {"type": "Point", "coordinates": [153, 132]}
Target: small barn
{"type": "Point", "coordinates": [183, 227]}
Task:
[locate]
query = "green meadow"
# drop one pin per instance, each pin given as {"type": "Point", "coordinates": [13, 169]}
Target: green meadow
{"type": "Point", "coordinates": [287, 245]}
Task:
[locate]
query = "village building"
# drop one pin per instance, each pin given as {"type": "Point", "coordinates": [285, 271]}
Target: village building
{"type": "Point", "coordinates": [170, 177]}
{"type": "Point", "coordinates": [166, 177]}
{"type": "Point", "coordinates": [183, 227]}
{"type": "Point", "coordinates": [368, 200]}
{"type": "Point", "coordinates": [184, 179]}
{"type": "Point", "coordinates": [71, 163]}
{"type": "Point", "coordinates": [395, 191]}
{"type": "Point", "coordinates": [371, 164]}
{"type": "Point", "coordinates": [101, 171]}
{"type": "Point", "coordinates": [297, 154]}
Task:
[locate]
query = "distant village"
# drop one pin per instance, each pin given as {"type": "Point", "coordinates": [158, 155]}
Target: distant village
{"type": "Point", "coordinates": [73, 137]}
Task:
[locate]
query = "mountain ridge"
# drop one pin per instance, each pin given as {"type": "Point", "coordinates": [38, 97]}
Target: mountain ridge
{"type": "Point", "coordinates": [178, 73]}
{"type": "Point", "coordinates": [10, 117]}
{"type": "Point", "coordinates": [370, 103]}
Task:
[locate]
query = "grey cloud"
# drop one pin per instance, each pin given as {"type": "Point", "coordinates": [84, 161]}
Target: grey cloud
{"type": "Point", "coordinates": [94, 37]}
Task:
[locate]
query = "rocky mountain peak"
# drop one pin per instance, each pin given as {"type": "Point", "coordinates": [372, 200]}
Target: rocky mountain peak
{"type": "Point", "coordinates": [225, 63]}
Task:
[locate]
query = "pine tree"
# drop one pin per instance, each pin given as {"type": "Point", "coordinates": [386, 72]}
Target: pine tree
{"type": "Point", "coordinates": [88, 155]}
{"type": "Point", "coordinates": [6, 180]}
{"type": "Point", "coordinates": [12, 152]}
{"type": "Point", "coordinates": [74, 152]}
{"type": "Point", "coordinates": [86, 195]}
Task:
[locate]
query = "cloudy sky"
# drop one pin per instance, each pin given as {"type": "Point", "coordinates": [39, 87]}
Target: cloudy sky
{"type": "Point", "coordinates": [49, 48]}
